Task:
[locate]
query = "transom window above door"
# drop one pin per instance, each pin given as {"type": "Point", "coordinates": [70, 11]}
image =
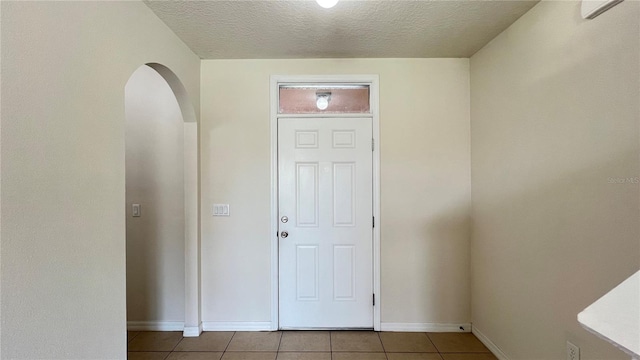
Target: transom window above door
{"type": "Point", "coordinates": [324, 99]}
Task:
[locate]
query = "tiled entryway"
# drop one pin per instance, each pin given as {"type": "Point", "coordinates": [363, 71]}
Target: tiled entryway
{"type": "Point", "coordinates": [306, 345]}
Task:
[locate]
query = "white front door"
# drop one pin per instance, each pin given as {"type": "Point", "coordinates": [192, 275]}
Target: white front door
{"type": "Point", "coordinates": [325, 223]}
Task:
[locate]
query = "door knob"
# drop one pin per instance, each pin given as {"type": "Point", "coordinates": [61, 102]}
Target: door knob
{"type": "Point", "coordinates": [284, 234]}
{"type": "Point", "coordinates": [284, 219]}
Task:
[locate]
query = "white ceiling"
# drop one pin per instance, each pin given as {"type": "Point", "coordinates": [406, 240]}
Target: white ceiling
{"type": "Point", "coordinates": [352, 29]}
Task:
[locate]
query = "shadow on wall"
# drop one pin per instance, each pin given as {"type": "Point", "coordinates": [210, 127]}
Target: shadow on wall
{"type": "Point", "coordinates": [543, 251]}
{"type": "Point", "coordinates": [433, 262]}
{"type": "Point", "coordinates": [447, 235]}
{"type": "Point", "coordinates": [180, 93]}
{"type": "Point", "coordinates": [155, 179]}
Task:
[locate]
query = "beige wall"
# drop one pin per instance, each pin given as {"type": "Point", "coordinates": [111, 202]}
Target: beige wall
{"type": "Point", "coordinates": [64, 69]}
{"type": "Point", "coordinates": [554, 120]}
{"type": "Point", "coordinates": [154, 144]}
{"type": "Point", "coordinates": [425, 162]}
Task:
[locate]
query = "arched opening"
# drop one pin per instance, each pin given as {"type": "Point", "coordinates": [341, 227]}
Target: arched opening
{"type": "Point", "coordinates": [161, 159]}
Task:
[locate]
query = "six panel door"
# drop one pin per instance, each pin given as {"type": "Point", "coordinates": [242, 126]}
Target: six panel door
{"type": "Point", "coordinates": [325, 208]}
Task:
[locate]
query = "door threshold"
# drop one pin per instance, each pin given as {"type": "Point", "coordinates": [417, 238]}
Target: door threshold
{"type": "Point", "coordinates": [327, 328]}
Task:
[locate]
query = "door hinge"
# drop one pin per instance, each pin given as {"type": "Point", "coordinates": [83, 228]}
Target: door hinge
{"type": "Point", "coordinates": [373, 221]}
{"type": "Point", "coordinates": [374, 299]}
{"type": "Point", "coordinates": [372, 144]}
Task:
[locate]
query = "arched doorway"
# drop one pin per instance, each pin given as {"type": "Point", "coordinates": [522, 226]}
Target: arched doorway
{"type": "Point", "coordinates": [161, 156]}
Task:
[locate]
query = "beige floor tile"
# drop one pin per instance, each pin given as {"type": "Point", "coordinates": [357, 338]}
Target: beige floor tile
{"type": "Point", "coordinates": [406, 342]}
{"type": "Point", "coordinates": [131, 335]}
{"type": "Point", "coordinates": [413, 356]}
{"type": "Point", "coordinates": [155, 341]}
{"type": "Point", "coordinates": [304, 356]}
{"type": "Point", "coordinates": [365, 341]}
{"type": "Point", "coordinates": [255, 341]}
{"type": "Point", "coordinates": [456, 342]}
{"type": "Point", "coordinates": [469, 356]}
{"type": "Point", "coordinates": [305, 341]}
{"type": "Point", "coordinates": [194, 355]}
{"type": "Point", "coordinates": [358, 356]}
{"type": "Point", "coordinates": [254, 355]}
{"type": "Point", "coordinates": [147, 355]}
{"type": "Point", "coordinates": [207, 341]}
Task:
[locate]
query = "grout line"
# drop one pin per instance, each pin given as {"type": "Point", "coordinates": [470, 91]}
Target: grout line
{"type": "Point", "coordinates": [382, 344]}
{"type": "Point", "coordinates": [432, 343]}
{"type": "Point", "coordinates": [176, 345]}
{"type": "Point", "coordinates": [134, 336]}
{"type": "Point", "coordinates": [229, 343]}
{"type": "Point", "coordinates": [330, 346]}
{"type": "Point", "coordinates": [279, 343]}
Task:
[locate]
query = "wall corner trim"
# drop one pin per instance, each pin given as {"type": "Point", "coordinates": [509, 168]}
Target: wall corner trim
{"type": "Point", "coordinates": [155, 325]}
{"type": "Point", "coordinates": [425, 327]}
{"type": "Point", "coordinates": [237, 326]}
{"type": "Point", "coordinates": [192, 331]}
{"type": "Point", "coordinates": [489, 344]}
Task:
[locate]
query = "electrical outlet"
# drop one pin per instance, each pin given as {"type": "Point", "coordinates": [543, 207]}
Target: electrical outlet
{"type": "Point", "coordinates": [573, 352]}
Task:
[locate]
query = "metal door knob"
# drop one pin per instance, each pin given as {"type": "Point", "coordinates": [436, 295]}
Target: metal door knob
{"type": "Point", "coordinates": [284, 234]}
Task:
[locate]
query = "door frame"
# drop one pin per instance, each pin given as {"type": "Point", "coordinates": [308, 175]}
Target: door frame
{"type": "Point", "coordinates": [373, 82]}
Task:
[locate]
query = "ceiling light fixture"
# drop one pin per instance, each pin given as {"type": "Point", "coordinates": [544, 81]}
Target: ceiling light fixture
{"type": "Point", "coordinates": [327, 4]}
{"type": "Point", "coordinates": [322, 100]}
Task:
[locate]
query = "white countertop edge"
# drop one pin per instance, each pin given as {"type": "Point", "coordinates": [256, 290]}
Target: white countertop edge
{"type": "Point", "coordinates": [612, 342]}
{"type": "Point", "coordinates": [615, 317]}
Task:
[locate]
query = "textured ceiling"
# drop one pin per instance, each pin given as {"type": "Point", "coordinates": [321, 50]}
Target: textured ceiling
{"type": "Point", "coordinates": [352, 29]}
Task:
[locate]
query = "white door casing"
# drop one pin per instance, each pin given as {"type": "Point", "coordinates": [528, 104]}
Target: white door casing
{"type": "Point", "coordinates": [373, 82]}
{"type": "Point", "coordinates": [325, 194]}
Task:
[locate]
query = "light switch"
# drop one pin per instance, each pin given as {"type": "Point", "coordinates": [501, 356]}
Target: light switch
{"type": "Point", "coordinates": [221, 210]}
{"type": "Point", "coordinates": [136, 210]}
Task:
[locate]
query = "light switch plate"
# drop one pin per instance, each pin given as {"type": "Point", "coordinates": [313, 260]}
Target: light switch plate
{"type": "Point", "coordinates": [136, 210]}
{"type": "Point", "coordinates": [221, 210]}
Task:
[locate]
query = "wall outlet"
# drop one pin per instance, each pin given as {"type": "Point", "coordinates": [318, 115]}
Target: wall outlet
{"type": "Point", "coordinates": [573, 352]}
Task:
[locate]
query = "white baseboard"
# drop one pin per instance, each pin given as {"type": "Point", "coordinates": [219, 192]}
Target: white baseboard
{"type": "Point", "coordinates": [489, 344]}
{"type": "Point", "coordinates": [425, 327]}
{"type": "Point", "coordinates": [237, 326]}
{"type": "Point", "coordinates": [192, 331]}
{"type": "Point", "coordinates": [155, 325]}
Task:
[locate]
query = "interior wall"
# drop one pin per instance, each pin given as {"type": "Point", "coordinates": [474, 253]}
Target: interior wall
{"type": "Point", "coordinates": [425, 182]}
{"type": "Point", "coordinates": [554, 133]}
{"type": "Point", "coordinates": [64, 70]}
{"type": "Point", "coordinates": [154, 148]}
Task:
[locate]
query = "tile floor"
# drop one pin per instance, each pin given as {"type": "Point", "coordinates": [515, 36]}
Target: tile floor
{"type": "Point", "coordinates": [306, 345]}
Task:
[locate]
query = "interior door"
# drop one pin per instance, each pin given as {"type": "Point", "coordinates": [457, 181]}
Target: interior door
{"type": "Point", "coordinates": [325, 223]}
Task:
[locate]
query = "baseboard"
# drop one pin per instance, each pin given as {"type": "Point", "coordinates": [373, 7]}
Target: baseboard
{"type": "Point", "coordinates": [425, 327]}
{"type": "Point", "coordinates": [155, 325]}
{"type": "Point", "coordinates": [489, 344]}
{"type": "Point", "coordinates": [192, 331]}
{"type": "Point", "coordinates": [236, 326]}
